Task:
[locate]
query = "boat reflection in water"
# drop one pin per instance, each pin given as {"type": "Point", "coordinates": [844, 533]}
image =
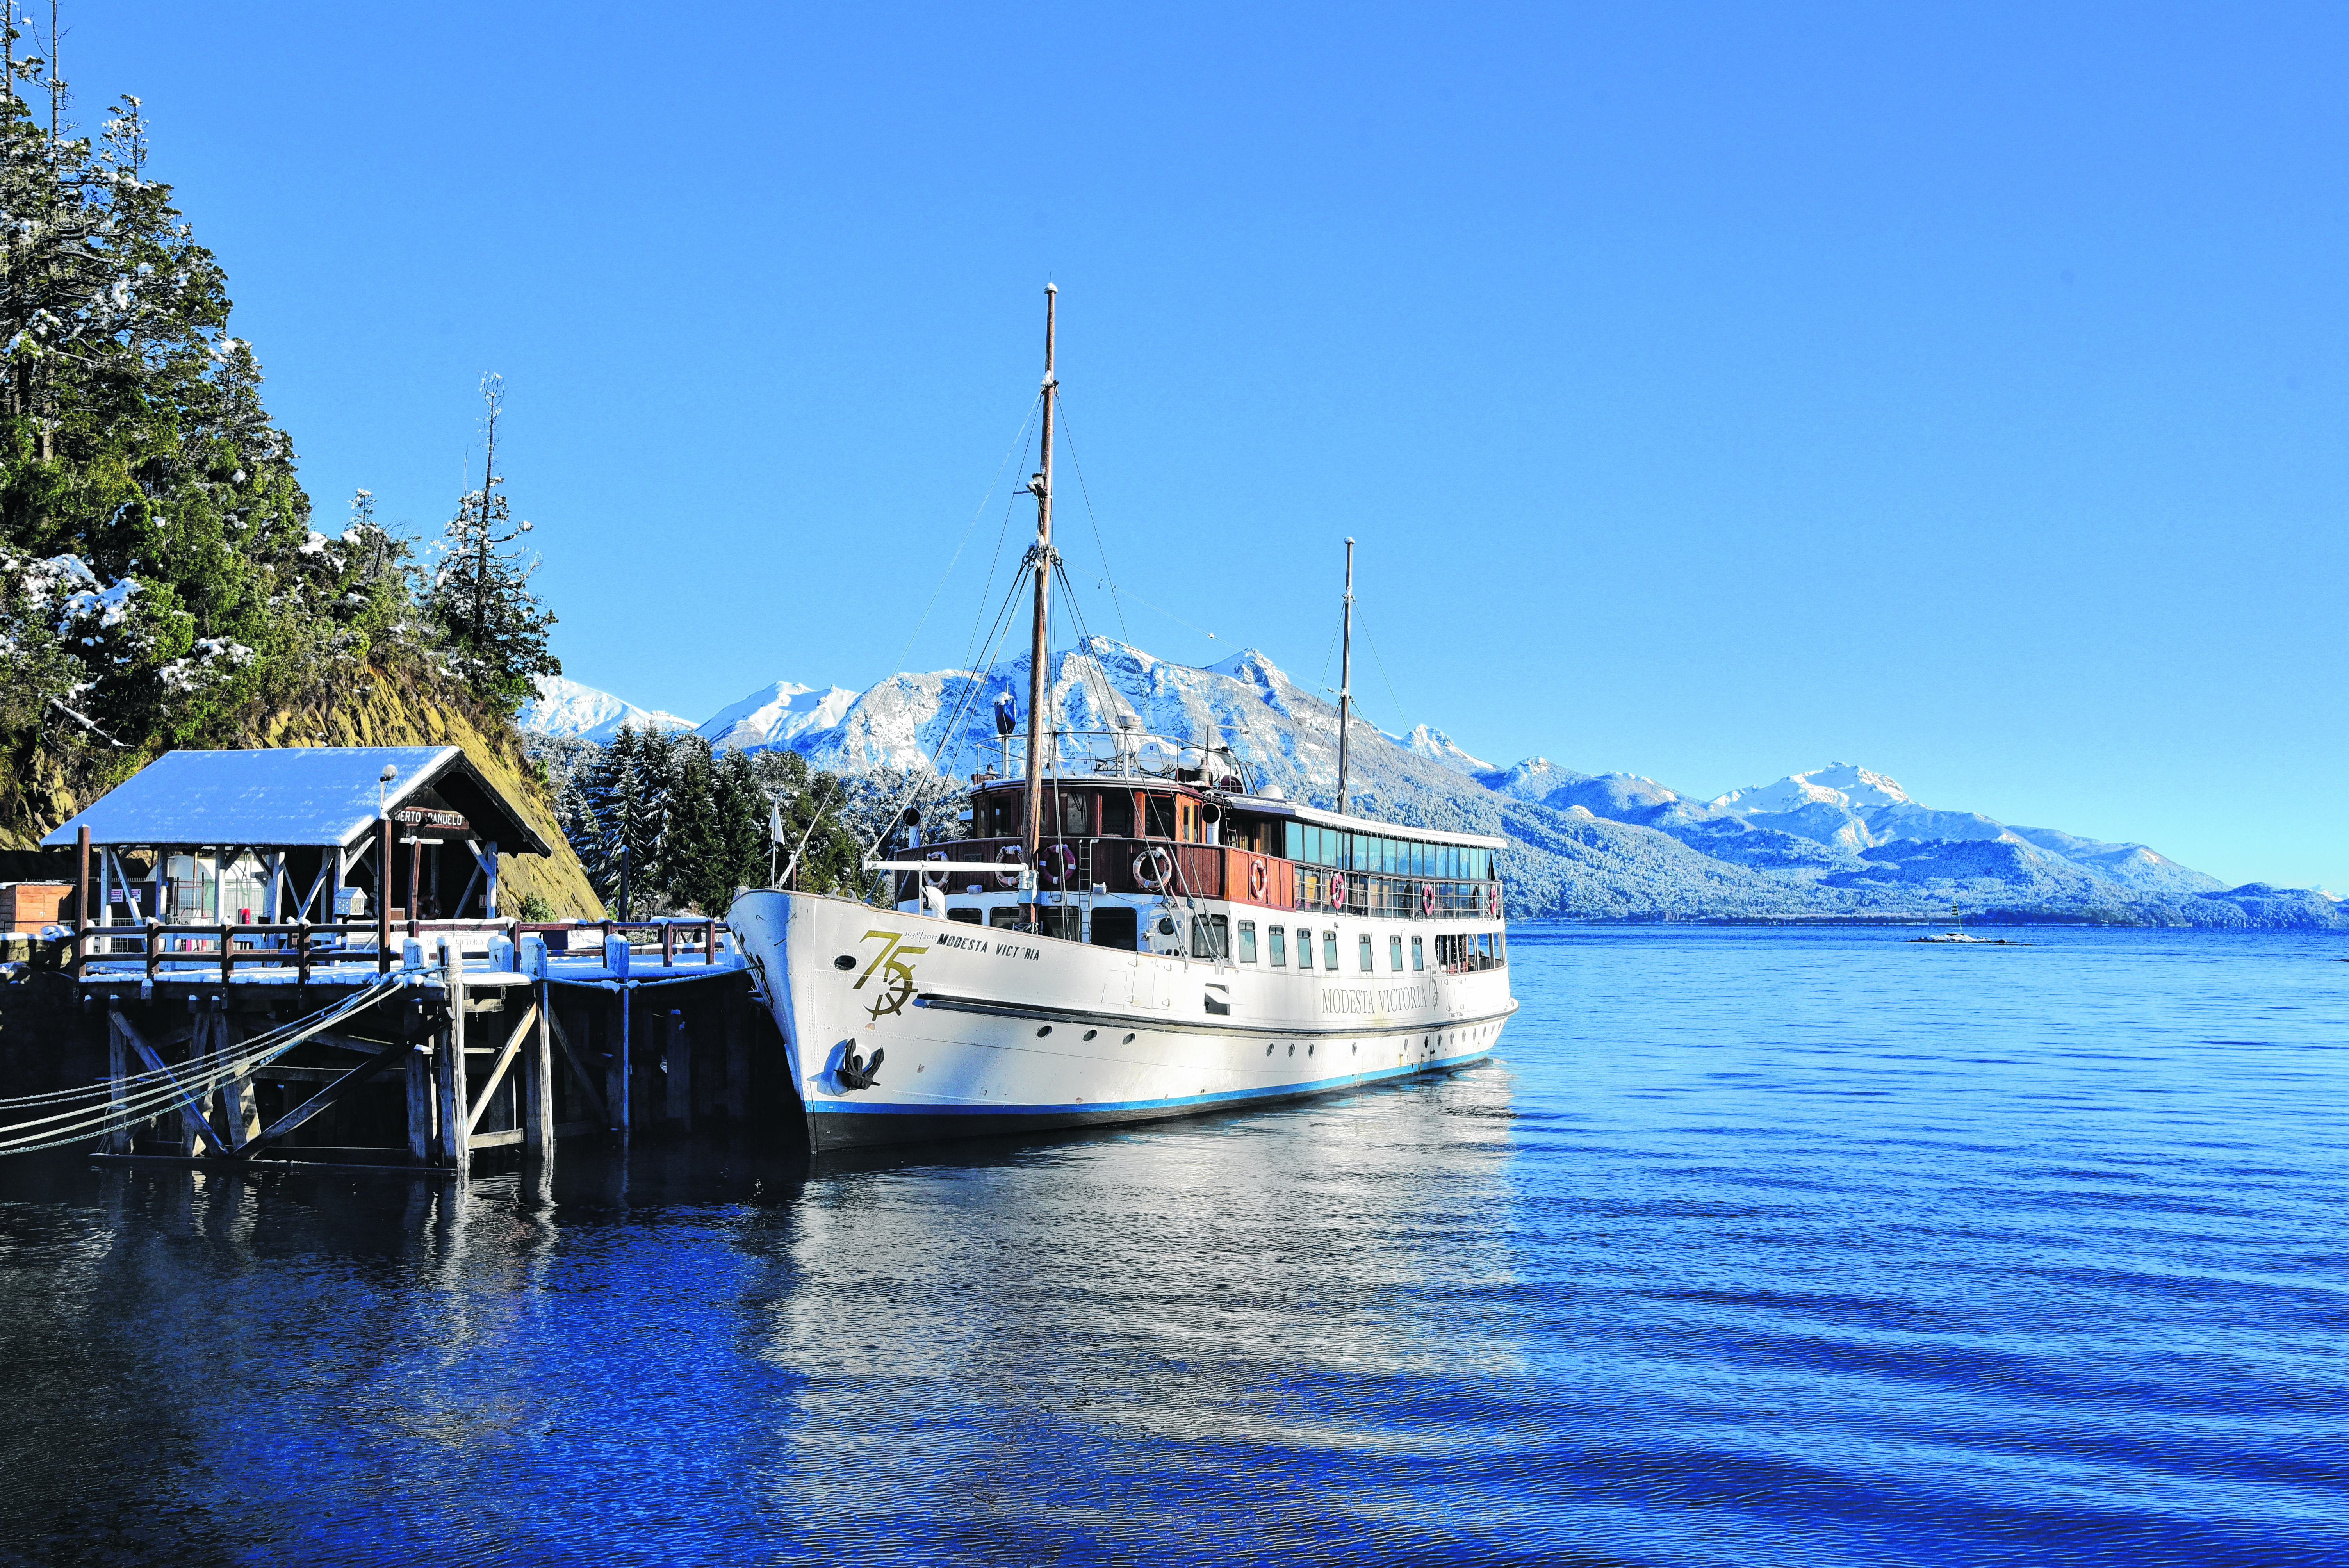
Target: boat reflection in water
{"type": "Point", "coordinates": [730, 1351]}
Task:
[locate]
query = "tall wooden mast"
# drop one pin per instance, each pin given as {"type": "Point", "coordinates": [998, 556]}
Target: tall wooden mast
{"type": "Point", "coordinates": [1345, 676]}
{"type": "Point", "coordinates": [1040, 558]}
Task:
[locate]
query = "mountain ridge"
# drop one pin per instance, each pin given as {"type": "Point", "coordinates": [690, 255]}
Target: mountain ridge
{"type": "Point", "coordinates": [1841, 842]}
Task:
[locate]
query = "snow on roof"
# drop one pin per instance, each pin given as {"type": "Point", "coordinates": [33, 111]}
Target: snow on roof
{"type": "Point", "coordinates": [294, 795]}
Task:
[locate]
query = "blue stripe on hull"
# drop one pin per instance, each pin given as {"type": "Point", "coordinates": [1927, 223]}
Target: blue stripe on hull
{"type": "Point", "coordinates": [1174, 1104]}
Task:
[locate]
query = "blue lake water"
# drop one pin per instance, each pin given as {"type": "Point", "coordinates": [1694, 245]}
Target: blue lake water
{"type": "Point", "coordinates": [1753, 1247]}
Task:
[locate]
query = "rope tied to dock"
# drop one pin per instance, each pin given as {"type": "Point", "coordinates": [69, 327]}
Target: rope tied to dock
{"type": "Point", "coordinates": [113, 1104]}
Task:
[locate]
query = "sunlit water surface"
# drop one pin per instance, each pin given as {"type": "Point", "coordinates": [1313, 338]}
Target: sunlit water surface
{"type": "Point", "coordinates": [1753, 1247]}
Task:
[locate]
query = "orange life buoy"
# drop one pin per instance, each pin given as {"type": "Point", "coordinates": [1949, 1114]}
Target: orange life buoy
{"type": "Point", "coordinates": [1007, 876]}
{"type": "Point", "coordinates": [1151, 867]}
{"type": "Point", "coordinates": [1056, 864]}
{"type": "Point", "coordinates": [1255, 880]}
{"type": "Point", "coordinates": [1427, 898]}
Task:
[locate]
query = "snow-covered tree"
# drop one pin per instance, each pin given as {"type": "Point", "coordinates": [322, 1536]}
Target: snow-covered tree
{"type": "Point", "coordinates": [492, 628]}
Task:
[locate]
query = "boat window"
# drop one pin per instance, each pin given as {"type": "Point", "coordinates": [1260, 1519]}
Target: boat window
{"type": "Point", "coordinates": [1116, 925]}
{"type": "Point", "coordinates": [1210, 937]}
{"type": "Point", "coordinates": [964, 916]}
{"type": "Point", "coordinates": [1002, 915]}
{"type": "Point", "coordinates": [1158, 816]}
{"type": "Point", "coordinates": [1248, 941]}
{"type": "Point", "coordinates": [1364, 946]}
{"type": "Point", "coordinates": [1484, 949]}
{"type": "Point", "coordinates": [1418, 954]}
{"type": "Point", "coordinates": [1065, 920]}
{"type": "Point", "coordinates": [1395, 953]}
{"type": "Point", "coordinates": [1280, 943]}
{"type": "Point", "coordinates": [1117, 815]}
{"type": "Point", "coordinates": [1329, 951]}
{"type": "Point", "coordinates": [1304, 948]}
{"type": "Point", "coordinates": [1076, 815]}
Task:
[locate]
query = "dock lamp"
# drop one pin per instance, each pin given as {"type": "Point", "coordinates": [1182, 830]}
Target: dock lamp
{"type": "Point", "coordinates": [381, 781]}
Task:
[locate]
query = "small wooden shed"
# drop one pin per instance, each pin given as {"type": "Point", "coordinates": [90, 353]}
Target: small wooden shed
{"type": "Point", "coordinates": [278, 835]}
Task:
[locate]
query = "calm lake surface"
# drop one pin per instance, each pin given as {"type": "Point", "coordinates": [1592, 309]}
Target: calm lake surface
{"type": "Point", "coordinates": [1753, 1247]}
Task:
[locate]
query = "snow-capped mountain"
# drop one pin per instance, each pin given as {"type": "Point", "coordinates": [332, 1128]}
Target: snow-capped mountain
{"type": "Point", "coordinates": [776, 714]}
{"type": "Point", "coordinates": [1836, 842]}
{"type": "Point", "coordinates": [564, 708]}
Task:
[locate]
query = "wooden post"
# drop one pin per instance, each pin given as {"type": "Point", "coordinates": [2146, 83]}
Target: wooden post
{"type": "Point", "coordinates": [154, 945]}
{"type": "Point", "coordinates": [738, 1055]}
{"type": "Point", "coordinates": [240, 1116]}
{"type": "Point", "coordinates": [383, 899]}
{"type": "Point", "coordinates": [81, 897]}
{"type": "Point", "coordinates": [422, 1130]}
{"type": "Point", "coordinates": [415, 882]}
{"type": "Point", "coordinates": [668, 944]}
{"type": "Point", "coordinates": [451, 1100]}
{"type": "Point", "coordinates": [615, 1095]}
{"type": "Point", "coordinates": [191, 1126]}
{"type": "Point", "coordinates": [490, 890]}
{"type": "Point", "coordinates": [710, 942]}
{"type": "Point", "coordinates": [117, 1067]}
{"type": "Point", "coordinates": [228, 946]}
{"type": "Point", "coordinates": [678, 1061]}
{"type": "Point", "coordinates": [538, 1079]}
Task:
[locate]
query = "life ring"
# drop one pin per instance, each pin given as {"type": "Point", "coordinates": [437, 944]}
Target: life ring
{"type": "Point", "coordinates": [1152, 868]}
{"type": "Point", "coordinates": [1337, 891]}
{"type": "Point", "coordinates": [1055, 864]}
{"type": "Point", "coordinates": [936, 878]}
{"type": "Point", "coordinates": [1257, 880]}
{"type": "Point", "coordinates": [1007, 876]}
{"type": "Point", "coordinates": [1492, 901]}
{"type": "Point", "coordinates": [1427, 898]}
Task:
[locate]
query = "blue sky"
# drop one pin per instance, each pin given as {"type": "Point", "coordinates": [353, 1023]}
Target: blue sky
{"type": "Point", "coordinates": [1715, 391]}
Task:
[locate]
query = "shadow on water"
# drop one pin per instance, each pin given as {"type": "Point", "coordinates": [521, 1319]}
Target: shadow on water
{"type": "Point", "coordinates": [1755, 1247]}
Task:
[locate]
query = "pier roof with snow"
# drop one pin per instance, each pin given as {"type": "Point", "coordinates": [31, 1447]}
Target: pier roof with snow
{"type": "Point", "coordinates": [285, 796]}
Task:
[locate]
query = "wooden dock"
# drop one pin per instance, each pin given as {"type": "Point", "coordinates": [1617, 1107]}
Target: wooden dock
{"type": "Point", "coordinates": [476, 1037]}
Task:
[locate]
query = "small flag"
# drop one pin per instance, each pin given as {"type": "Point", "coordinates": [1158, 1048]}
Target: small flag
{"type": "Point", "coordinates": [774, 822]}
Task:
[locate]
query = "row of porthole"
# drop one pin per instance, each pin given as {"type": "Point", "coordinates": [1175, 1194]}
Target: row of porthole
{"type": "Point", "coordinates": [1045, 1029]}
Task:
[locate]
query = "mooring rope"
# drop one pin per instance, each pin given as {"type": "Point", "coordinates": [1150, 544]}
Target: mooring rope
{"type": "Point", "coordinates": [112, 1105]}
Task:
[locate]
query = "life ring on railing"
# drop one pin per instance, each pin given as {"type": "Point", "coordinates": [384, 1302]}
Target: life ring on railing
{"type": "Point", "coordinates": [1427, 898]}
{"type": "Point", "coordinates": [1153, 868]}
{"type": "Point", "coordinates": [1493, 903]}
{"type": "Point", "coordinates": [936, 878]}
{"type": "Point", "coordinates": [1006, 875]}
{"type": "Point", "coordinates": [1257, 880]}
{"type": "Point", "coordinates": [1337, 891]}
{"type": "Point", "coordinates": [1055, 864]}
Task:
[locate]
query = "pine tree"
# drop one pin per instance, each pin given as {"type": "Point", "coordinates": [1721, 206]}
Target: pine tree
{"type": "Point", "coordinates": [491, 627]}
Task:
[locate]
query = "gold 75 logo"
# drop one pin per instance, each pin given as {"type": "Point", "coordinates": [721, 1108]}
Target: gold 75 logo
{"type": "Point", "coordinates": [896, 965]}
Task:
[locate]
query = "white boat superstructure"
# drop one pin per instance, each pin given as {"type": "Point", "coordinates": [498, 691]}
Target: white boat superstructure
{"type": "Point", "coordinates": [1119, 927]}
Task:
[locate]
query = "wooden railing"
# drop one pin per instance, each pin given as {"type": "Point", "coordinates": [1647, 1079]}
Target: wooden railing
{"type": "Point", "coordinates": [303, 944]}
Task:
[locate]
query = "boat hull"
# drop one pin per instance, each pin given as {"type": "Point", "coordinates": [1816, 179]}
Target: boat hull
{"type": "Point", "coordinates": [982, 1030]}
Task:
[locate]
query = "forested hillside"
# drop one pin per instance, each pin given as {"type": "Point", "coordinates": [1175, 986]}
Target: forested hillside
{"type": "Point", "coordinates": [162, 583]}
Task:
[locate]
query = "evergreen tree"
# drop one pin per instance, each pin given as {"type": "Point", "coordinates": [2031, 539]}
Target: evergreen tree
{"type": "Point", "coordinates": [491, 627]}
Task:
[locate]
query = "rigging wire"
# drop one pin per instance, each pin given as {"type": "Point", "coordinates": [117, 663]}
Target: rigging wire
{"type": "Point", "coordinates": [1019, 442]}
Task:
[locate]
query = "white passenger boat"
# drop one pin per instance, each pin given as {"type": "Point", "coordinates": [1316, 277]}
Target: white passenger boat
{"type": "Point", "coordinates": [1128, 930]}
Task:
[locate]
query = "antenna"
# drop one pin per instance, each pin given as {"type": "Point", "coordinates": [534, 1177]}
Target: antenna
{"type": "Point", "coordinates": [1345, 676]}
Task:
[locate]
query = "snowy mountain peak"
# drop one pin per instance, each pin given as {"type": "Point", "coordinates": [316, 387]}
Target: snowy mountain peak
{"type": "Point", "coordinates": [776, 715]}
{"type": "Point", "coordinates": [1427, 741]}
{"type": "Point", "coordinates": [1843, 784]}
{"type": "Point", "coordinates": [564, 708]}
